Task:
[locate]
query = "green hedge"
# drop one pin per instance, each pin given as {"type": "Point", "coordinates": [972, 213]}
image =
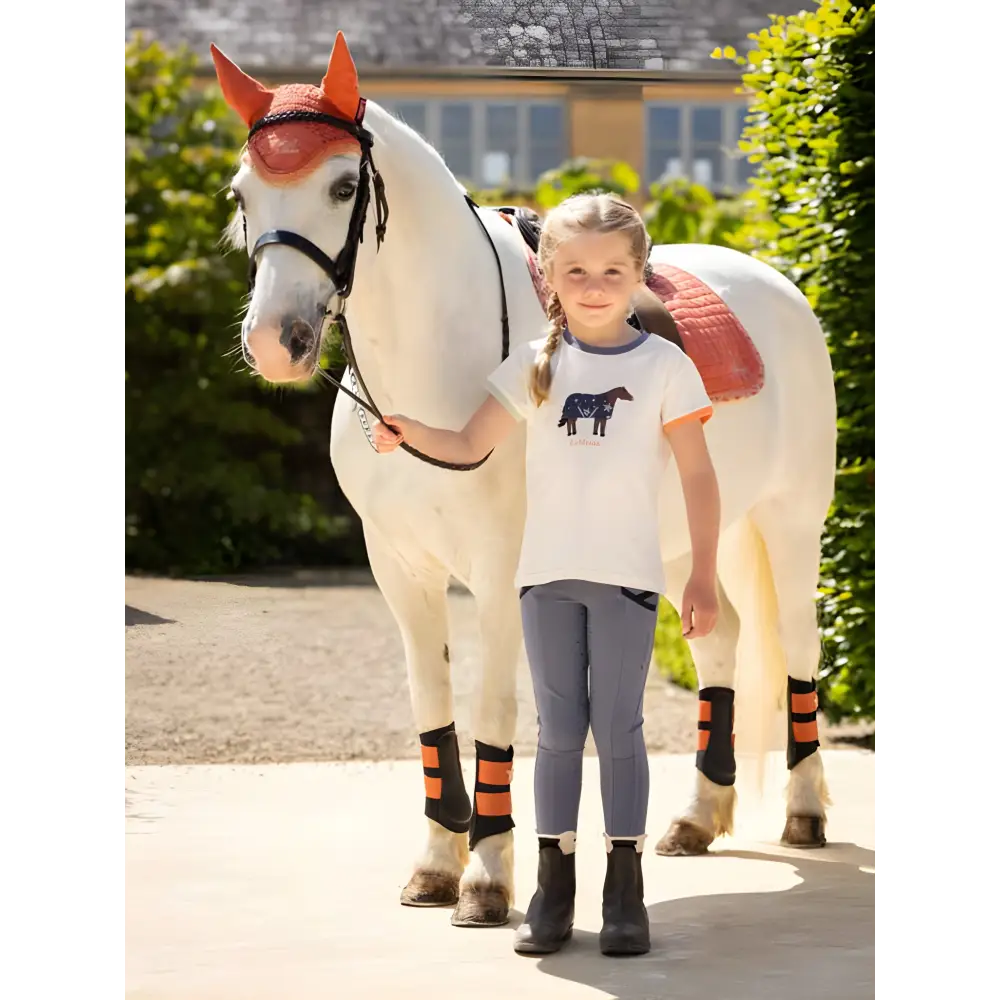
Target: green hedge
{"type": "Point", "coordinates": [812, 131]}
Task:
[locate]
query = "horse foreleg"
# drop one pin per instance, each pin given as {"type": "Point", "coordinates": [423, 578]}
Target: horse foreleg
{"type": "Point", "coordinates": [710, 812]}
{"type": "Point", "coordinates": [487, 887]}
{"type": "Point", "coordinates": [417, 597]}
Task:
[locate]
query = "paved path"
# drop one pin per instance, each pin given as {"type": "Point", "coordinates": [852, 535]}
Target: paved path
{"type": "Point", "coordinates": [281, 882]}
{"type": "Point", "coordinates": [257, 878]}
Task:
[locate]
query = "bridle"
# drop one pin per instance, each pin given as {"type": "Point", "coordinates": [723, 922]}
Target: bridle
{"type": "Point", "coordinates": [341, 270]}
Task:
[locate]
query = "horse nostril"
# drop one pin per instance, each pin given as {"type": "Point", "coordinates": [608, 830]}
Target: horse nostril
{"type": "Point", "coordinates": [298, 338]}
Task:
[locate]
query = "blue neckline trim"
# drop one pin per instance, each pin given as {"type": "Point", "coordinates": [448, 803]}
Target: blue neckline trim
{"type": "Point", "coordinates": [594, 349]}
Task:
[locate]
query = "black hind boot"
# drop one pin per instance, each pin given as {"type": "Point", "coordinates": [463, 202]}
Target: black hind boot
{"type": "Point", "coordinates": [548, 923]}
{"type": "Point", "coordinates": [626, 923]}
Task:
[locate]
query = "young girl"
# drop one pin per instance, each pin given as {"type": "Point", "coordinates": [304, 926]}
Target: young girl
{"type": "Point", "coordinates": [599, 397]}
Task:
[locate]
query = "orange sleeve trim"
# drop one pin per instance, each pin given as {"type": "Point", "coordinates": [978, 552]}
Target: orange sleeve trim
{"type": "Point", "coordinates": [703, 415]}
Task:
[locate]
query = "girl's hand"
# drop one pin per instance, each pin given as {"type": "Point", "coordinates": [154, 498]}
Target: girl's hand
{"type": "Point", "coordinates": [484, 431]}
{"type": "Point", "coordinates": [699, 608]}
{"type": "Point", "coordinates": [390, 433]}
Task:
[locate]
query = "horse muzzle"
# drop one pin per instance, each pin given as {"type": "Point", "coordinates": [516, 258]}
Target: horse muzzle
{"type": "Point", "coordinates": [284, 353]}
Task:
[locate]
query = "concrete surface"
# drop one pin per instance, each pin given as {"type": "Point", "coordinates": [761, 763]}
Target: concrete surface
{"type": "Point", "coordinates": [281, 882]}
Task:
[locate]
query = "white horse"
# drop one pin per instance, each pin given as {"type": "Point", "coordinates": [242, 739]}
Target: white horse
{"type": "Point", "coordinates": [424, 314]}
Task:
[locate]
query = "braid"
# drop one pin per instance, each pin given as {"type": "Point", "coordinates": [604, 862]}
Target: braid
{"type": "Point", "coordinates": [541, 374]}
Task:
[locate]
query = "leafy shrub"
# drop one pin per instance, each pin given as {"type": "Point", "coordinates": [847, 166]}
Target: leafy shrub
{"type": "Point", "coordinates": [206, 448]}
{"type": "Point", "coordinates": [812, 77]}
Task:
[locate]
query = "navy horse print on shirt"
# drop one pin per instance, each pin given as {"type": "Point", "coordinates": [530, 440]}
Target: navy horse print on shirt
{"type": "Point", "coordinates": [581, 406]}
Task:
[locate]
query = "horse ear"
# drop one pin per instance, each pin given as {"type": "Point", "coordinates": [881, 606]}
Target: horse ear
{"type": "Point", "coordinates": [248, 98]}
{"type": "Point", "coordinates": [340, 85]}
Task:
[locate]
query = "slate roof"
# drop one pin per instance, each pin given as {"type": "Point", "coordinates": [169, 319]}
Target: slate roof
{"type": "Point", "coordinates": [669, 37]}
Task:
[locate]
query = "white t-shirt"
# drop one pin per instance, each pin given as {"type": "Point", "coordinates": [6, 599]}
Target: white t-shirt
{"type": "Point", "coordinates": [596, 452]}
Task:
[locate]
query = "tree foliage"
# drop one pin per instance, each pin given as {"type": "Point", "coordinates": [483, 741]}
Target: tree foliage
{"type": "Point", "coordinates": [206, 448]}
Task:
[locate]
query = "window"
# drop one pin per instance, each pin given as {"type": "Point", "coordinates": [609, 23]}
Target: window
{"type": "Point", "coordinates": [499, 158]}
{"type": "Point", "coordinates": [664, 155]}
{"type": "Point", "coordinates": [414, 113]}
{"type": "Point", "coordinates": [546, 141]}
{"type": "Point", "coordinates": [490, 143]}
{"type": "Point", "coordinates": [706, 147]}
{"type": "Point", "coordinates": [698, 141]}
{"type": "Point", "coordinates": [744, 168]}
{"type": "Point", "coordinates": [456, 138]}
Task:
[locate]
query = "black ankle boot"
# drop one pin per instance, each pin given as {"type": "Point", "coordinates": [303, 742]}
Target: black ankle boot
{"type": "Point", "coordinates": [626, 923]}
{"type": "Point", "coordinates": [548, 923]}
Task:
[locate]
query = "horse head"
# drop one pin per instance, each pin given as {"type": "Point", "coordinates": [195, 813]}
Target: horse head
{"type": "Point", "coordinates": [301, 193]}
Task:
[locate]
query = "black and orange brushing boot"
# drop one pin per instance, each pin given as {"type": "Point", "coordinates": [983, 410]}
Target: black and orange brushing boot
{"type": "Point", "coordinates": [716, 757]}
{"type": "Point", "coordinates": [803, 729]}
{"type": "Point", "coordinates": [491, 813]}
{"type": "Point", "coordinates": [487, 904]}
{"type": "Point", "coordinates": [805, 826]}
{"type": "Point", "coordinates": [447, 801]}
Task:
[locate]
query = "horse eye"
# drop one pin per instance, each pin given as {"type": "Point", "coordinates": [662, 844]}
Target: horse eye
{"type": "Point", "coordinates": [238, 198]}
{"type": "Point", "coordinates": [343, 190]}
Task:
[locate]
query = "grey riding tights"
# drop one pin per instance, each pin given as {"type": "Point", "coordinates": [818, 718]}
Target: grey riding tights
{"type": "Point", "coordinates": [589, 646]}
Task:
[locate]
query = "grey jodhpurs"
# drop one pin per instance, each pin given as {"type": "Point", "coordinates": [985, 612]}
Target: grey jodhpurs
{"type": "Point", "coordinates": [589, 647]}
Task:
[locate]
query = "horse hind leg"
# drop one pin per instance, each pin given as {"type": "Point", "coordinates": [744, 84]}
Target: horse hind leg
{"type": "Point", "coordinates": [792, 540]}
{"type": "Point", "coordinates": [418, 601]}
{"type": "Point", "coordinates": [711, 810]}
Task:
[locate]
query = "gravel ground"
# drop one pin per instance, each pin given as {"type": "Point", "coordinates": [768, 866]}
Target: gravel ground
{"type": "Point", "coordinates": [274, 670]}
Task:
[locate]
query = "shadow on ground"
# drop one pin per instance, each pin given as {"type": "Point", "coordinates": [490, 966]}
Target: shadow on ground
{"type": "Point", "coordinates": [133, 616]}
{"type": "Point", "coordinates": [815, 940]}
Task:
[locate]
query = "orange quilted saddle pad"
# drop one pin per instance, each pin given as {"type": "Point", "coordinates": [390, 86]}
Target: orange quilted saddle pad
{"type": "Point", "coordinates": [713, 337]}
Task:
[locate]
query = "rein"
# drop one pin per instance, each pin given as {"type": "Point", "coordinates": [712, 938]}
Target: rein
{"type": "Point", "coordinates": [341, 270]}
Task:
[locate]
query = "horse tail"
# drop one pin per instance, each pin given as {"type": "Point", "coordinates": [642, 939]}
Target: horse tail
{"type": "Point", "coordinates": [562, 421]}
{"type": "Point", "coordinates": [761, 669]}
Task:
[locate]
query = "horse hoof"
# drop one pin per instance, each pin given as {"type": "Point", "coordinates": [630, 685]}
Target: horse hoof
{"type": "Point", "coordinates": [481, 908]}
{"type": "Point", "coordinates": [804, 832]}
{"type": "Point", "coordinates": [684, 839]}
{"type": "Point", "coordinates": [430, 889]}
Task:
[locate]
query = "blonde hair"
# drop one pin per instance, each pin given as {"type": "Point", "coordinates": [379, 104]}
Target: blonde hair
{"type": "Point", "coordinates": [580, 213]}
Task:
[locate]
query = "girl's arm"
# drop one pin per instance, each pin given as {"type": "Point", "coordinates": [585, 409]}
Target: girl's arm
{"type": "Point", "coordinates": [701, 496]}
{"type": "Point", "coordinates": [486, 428]}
